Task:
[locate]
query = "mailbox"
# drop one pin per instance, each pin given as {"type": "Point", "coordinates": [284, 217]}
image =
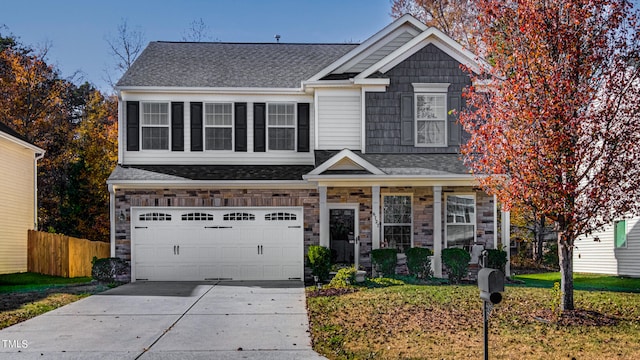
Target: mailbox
{"type": "Point", "coordinates": [491, 284]}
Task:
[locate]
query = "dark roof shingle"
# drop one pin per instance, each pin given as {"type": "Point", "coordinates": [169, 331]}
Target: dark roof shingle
{"type": "Point", "coordinates": [246, 65]}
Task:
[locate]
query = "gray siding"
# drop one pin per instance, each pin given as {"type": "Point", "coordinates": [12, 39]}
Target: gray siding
{"type": "Point", "coordinates": [383, 126]}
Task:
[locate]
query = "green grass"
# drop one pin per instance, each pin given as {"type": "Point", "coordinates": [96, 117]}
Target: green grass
{"type": "Point", "coordinates": [583, 282]}
{"type": "Point", "coordinates": [33, 281]}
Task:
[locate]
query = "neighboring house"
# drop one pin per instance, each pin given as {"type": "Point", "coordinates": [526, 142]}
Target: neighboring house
{"type": "Point", "coordinates": [18, 198]}
{"type": "Point", "coordinates": [234, 158]}
{"type": "Point", "coordinates": [614, 250]}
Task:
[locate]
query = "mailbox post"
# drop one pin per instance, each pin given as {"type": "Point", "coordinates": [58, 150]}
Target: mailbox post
{"type": "Point", "coordinates": [491, 285]}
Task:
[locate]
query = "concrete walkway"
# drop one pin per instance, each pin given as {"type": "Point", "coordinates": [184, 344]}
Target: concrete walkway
{"type": "Point", "coordinates": [171, 320]}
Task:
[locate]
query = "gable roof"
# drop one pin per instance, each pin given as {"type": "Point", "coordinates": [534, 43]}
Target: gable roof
{"type": "Point", "coordinates": [13, 136]}
{"type": "Point", "coordinates": [230, 65]}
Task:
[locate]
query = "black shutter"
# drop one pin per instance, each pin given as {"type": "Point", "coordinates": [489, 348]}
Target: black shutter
{"type": "Point", "coordinates": [177, 126]}
{"type": "Point", "coordinates": [303, 127]}
{"type": "Point", "coordinates": [259, 127]}
{"type": "Point", "coordinates": [196, 126]}
{"type": "Point", "coordinates": [133, 126]}
{"type": "Point", "coordinates": [240, 124]}
{"type": "Point", "coordinates": [454, 102]}
{"type": "Point", "coordinates": [406, 119]}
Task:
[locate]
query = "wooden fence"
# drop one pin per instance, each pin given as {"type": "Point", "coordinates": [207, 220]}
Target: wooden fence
{"type": "Point", "coordinates": [61, 255]}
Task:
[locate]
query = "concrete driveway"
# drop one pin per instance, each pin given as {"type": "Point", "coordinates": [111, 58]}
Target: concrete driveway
{"type": "Point", "coordinates": [171, 320]}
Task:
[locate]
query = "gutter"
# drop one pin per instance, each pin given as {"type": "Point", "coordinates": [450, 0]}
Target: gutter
{"type": "Point", "coordinates": [37, 157]}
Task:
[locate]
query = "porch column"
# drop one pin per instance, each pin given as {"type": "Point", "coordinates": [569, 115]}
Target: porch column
{"type": "Point", "coordinates": [437, 231]}
{"type": "Point", "coordinates": [112, 220]}
{"type": "Point", "coordinates": [506, 239]}
{"type": "Point", "coordinates": [375, 217]}
{"type": "Point", "coordinates": [495, 222]}
{"type": "Point", "coordinates": [324, 218]}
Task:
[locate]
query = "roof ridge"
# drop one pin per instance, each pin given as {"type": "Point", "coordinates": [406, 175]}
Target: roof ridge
{"type": "Point", "coordinates": [248, 43]}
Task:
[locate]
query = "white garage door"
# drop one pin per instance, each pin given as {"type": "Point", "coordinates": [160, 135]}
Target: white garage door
{"type": "Point", "coordinates": [191, 244]}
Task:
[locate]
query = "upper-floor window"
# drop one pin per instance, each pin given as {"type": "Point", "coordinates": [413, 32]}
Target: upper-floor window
{"type": "Point", "coordinates": [431, 119]}
{"type": "Point", "coordinates": [155, 126]}
{"type": "Point", "coordinates": [281, 126]}
{"type": "Point", "coordinates": [218, 125]}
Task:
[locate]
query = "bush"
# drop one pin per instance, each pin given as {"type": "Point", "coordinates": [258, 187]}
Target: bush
{"type": "Point", "coordinates": [418, 262]}
{"type": "Point", "coordinates": [384, 261]}
{"type": "Point", "coordinates": [496, 259]}
{"type": "Point", "coordinates": [319, 261]}
{"type": "Point", "coordinates": [108, 269]}
{"type": "Point", "coordinates": [550, 257]}
{"type": "Point", "coordinates": [457, 262]}
{"type": "Point", "coordinates": [344, 278]}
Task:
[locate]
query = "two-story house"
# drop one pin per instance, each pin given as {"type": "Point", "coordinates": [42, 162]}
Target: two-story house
{"type": "Point", "coordinates": [235, 157]}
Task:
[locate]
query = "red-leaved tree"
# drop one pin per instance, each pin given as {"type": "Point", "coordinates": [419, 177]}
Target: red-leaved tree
{"type": "Point", "coordinates": [556, 126]}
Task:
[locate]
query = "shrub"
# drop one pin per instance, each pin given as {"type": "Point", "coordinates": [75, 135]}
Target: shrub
{"type": "Point", "coordinates": [384, 261]}
{"type": "Point", "coordinates": [418, 262]}
{"type": "Point", "coordinates": [496, 259]}
{"type": "Point", "coordinates": [319, 261]}
{"type": "Point", "coordinates": [344, 278]}
{"type": "Point", "coordinates": [457, 262]}
{"type": "Point", "coordinates": [108, 269]}
{"type": "Point", "coordinates": [550, 257]}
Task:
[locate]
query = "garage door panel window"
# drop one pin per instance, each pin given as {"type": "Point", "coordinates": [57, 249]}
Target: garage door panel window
{"type": "Point", "coordinates": [155, 216]}
{"type": "Point", "coordinates": [197, 216]}
{"type": "Point", "coordinates": [461, 221]}
{"type": "Point", "coordinates": [280, 216]}
{"type": "Point", "coordinates": [396, 222]}
{"type": "Point", "coordinates": [239, 216]}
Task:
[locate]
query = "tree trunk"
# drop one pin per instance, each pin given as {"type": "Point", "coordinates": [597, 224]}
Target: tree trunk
{"type": "Point", "coordinates": [565, 254]}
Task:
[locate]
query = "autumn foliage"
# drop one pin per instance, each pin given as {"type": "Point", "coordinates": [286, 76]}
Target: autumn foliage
{"type": "Point", "coordinates": [555, 124]}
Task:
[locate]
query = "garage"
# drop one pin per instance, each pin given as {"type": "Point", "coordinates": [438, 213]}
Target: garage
{"type": "Point", "coordinates": [195, 244]}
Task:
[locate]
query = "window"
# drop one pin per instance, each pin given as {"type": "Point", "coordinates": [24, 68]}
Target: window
{"type": "Point", "coordinates": [396, 222]}
{"type": "Point", "coordinates": [155, 126]}
{"type": "Point", "coordinates": [461, 221]}
{"type": "Point", "coordinates": [431, 119]}
{"type": "Point", "coordinates": [278, 216]}
{"type": "Point", "coordinates": [620, 233]}
{"type": "Point", "coordinates": [218, 126]}
{"type": "Point", "coordinates": [281, 126]}
{"type": "Point", "coordinates": [197, 217]}
{"type": "Point", "coordinates": [238, 216]}
{"type": "Point", "coordinates": [155, 217]}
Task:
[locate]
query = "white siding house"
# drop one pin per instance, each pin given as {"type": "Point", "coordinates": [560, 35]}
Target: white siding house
{"type": "Point", "coordinates": [615, 250]}
{"type": "Point", "coordinates": [17, 198]}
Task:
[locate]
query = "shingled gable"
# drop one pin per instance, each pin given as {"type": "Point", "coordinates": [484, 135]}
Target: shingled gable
{"type": "Point", "coordinates": [229, 65]}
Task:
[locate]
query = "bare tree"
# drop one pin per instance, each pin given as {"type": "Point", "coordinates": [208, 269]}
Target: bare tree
{"type": "Point", "coordinates": [124, 47]}
{"type": "Point", "coordinates": [197, 31]}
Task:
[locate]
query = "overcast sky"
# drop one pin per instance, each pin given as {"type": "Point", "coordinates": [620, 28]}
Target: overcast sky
{"type": "Point", "coordinates": [76, 30]}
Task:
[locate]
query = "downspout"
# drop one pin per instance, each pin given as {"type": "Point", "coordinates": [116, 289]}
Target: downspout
{"type": "Point", "coordinates": [112, 218]}
{"type": "Point", "coordinates": [38, 156]}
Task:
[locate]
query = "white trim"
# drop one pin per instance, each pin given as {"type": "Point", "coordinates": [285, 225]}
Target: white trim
{"type": "Point", "coordinates": [121, 128]}
{"type": "Point", "coordinates": [495, 222]}
{"type": "Point", "coordinates": [475, 216]}
{"type": "Point", "coordinates": [369, 42]}
{"type": "Point", "coordinates": [112, 222]}
{"type": "Point", "coordinates": [363, 122]}
{"type": "Point", "coordinates": [348, 154]}
{"type": "Point", "coordinates": [188, 184]}
{"type": "Point", "coordinates": [356, 226]}
{"type": "Point", "coordinates": [437, 231]}
{"type": "Point", "coordinates": [324, 218]}
{"type": "Point", "coordinates": [430, 87]}
{"type": "Point", "coordinates": [429, 36]}
{"type": "Point", "coordinates": [375, 217]}
{"type": "Point", "coordinates": [20, 142]}
{"type": "Point", "coordinates": [210, 90]}
{"type": "Point", "coordinates": [506, 239]}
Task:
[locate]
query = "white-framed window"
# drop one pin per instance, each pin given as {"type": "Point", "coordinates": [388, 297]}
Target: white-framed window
{"type": "Point", "coordinates": [155, 126]}
{"type": "Point", "coordinates": [218, 126]}
{"type": "Point", "coordinates": [460, 220]}
{"type": "Point", "coordinates": [397, 221]}
{"type": "Point", "coordinates": [281, 126]}
{"type": "Point", "coordinates": [430, 112]}
{"type": "Point", "coordinates": [620, 234]}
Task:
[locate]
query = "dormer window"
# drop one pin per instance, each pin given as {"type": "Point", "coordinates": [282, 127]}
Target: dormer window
{"type": "Point", "coordinates": [281, 126]}
{"type": "Point", "coordinates": [155, 126]}
{"type": "Point", "coordinates": [430, 114]}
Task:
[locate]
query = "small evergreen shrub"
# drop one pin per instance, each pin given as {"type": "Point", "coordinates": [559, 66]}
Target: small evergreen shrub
{"type": "Point", "coordinates": [108, 269]}
{"type": "Point", "coordinates": [496, 259]}
{"type": "Point", "coordinates": [457, 262]}
{"type": "Point", "coordinates": [384, 261]}
{"type": "Point", "coordinates": [345, 277]}
{"type": "Point", "coordinates": [319, 261]}
{"type": "Point", "coordinates": [418, 262]}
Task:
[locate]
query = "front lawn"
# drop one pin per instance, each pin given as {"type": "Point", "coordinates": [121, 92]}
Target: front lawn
{"type": "Point", "coordinates": [26, 295]}
{"type": "Point", "coordinates": [583, 281]}
{"type": "Point", "coordinates": [445, 322]}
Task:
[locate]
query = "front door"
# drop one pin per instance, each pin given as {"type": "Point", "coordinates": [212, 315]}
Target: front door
{"type": "Point", "coordinates": [343, 234]}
